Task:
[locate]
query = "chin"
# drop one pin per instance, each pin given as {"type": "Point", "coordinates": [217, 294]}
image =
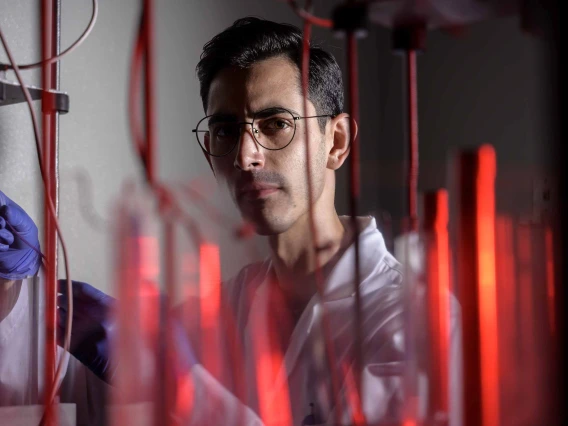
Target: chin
{"type": "Point", "coordinates": [267, 226]}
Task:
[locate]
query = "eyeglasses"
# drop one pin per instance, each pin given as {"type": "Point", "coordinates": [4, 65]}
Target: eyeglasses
{"type": "Point", "coordinates": [272, 128]}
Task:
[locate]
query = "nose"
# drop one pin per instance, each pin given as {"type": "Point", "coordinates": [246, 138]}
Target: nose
{"type": "Point", "coordinates": [249, 153]}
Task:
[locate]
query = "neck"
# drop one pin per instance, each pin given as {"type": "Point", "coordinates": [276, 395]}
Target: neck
{"type": "Point", "coordinates": [293, 255]}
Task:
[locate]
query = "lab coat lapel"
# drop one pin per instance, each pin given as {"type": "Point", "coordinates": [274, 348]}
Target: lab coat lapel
{"type": "Point", "coordinates": [372, 248]}
{"type": "Point", "coordinates": [258, 323]}
{"type": "Point", "coordinates": [338, 291]}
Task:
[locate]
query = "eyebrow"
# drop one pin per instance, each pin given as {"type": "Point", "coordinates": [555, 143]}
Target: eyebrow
{"type": "Point", "coordinates": [218, 118]}
{"type": "Point", "coordinates": [265, 112]}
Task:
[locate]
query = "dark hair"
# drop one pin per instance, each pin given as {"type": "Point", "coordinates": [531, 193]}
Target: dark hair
{"type": "Point", "coordinates": [250, 40]}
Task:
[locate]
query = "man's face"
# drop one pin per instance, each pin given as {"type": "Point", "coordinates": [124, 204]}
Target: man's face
{"type": "Point", "coordinates": [269, 186]}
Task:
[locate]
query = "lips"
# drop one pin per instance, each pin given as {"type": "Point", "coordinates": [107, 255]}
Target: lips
{"type": "Point", "coordinates": [256, 190]}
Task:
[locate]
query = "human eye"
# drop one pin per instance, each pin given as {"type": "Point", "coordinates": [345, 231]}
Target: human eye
{"type": "Point", "coordinates": [276, 123]}
{"type": "Point", "coordinates": [223, 131]}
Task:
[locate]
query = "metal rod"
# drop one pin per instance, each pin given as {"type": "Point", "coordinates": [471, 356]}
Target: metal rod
{"type": "Point", "coordinates": [50, 35]}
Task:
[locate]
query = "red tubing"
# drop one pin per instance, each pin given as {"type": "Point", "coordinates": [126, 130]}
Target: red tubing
{"type": "Point", "coordinates": [149, 93]}
{"type": "Point", "coordinates": [330, 353]}
{"type": "Point", "coordinates": [134, 95]}
{"type": "Point", "coordinates": [308, 17]}
{"type": "Point", "coordinates": [353, 84]}
{"type": "Point", "coordinates": [412, 104]}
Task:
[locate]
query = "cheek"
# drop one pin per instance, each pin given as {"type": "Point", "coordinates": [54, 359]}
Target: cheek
{"type": "Point", "coordinates": [224, 164]}
{"type": "Point", "coordinates": [223, 168]}
{"type": "Point", "coordinates": [297, 165]}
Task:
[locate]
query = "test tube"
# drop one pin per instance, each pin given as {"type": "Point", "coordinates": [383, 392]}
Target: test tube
{"type": "Point", "coordinates": [477, 286]}
{"type": "Point", "coordinates": [137, 313]}
{"type": "Point", "coordinates": [436, 216]}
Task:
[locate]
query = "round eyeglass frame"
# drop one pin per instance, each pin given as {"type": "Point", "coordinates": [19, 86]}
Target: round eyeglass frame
{"type": "Point", "coordinates": [254, 130]}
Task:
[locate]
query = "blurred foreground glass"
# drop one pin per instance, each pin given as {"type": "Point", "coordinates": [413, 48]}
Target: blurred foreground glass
{"type": "Point", "coordinates": [135, 347]}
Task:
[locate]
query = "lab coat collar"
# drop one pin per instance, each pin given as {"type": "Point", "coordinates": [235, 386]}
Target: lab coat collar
{"type": "Point", "coordinates": [337, 286]}
{"type": "Point", "coordinates": [340, 282]}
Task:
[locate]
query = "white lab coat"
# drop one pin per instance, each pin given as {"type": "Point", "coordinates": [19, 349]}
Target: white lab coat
{"type": "Point", "coordinates": [215, 400]}
{"type": "Point", "coordinates": [22, 352]}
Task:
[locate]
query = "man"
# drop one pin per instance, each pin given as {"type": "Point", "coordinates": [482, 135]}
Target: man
{"type": "Point", "coordinates": [255, 139]}
{"type": "Point", "coordinates": [294, 346]}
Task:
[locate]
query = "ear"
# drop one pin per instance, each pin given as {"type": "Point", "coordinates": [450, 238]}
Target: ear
{"type": "Point", "coordinates": [207, 156]}
{"type": "Point", "coordinates": [340, 128]}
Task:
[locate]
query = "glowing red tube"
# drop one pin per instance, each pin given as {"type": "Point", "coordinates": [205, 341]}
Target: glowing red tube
{"type": "Point", "coordinates": [274, 404]}
{"type": "Point", "coordinates": [271, 378]}
{"type": "Point", "coordinates": [169, 383]}
{"type": "Point", "coordinates": [477, 281]}
{"type": "Point", "coordinates": [210, 297]}
{"type": "Point", "coordinates": [508, 309]}
{"type": "Point", "coordinates": [528, 319]}
{"type": "Point", "coordinates": [436, 216]}
{"type": "Point", "coordinates": [487, 285]}
{"type": "Point", "coordinates": [549, 246]}
{"type": "Point", "coordinates": [352, 394]}
{"type": "Point", "coordinates": [49, 78]}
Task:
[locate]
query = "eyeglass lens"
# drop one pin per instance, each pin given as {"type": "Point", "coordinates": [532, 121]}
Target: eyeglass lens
{"type": "Point", "coordinates": [272, 130]}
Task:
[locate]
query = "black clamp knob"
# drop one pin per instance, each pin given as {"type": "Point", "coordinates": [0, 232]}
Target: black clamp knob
{"type": "Point", "coordinates": [351, 18]}
{"type": "Point", "coordinates": [409, 35]}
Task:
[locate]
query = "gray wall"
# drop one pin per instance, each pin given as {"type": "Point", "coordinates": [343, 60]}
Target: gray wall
{"type": "Point", "coordinates": [482, 87]}
{"type": "Point", "coordinates": [19, 173]}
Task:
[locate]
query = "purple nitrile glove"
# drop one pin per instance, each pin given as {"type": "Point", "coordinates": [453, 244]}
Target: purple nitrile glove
{"type": "Point", "coordinates": [20, 254]}
{"type": "Point", "coordinates": [91, 329]}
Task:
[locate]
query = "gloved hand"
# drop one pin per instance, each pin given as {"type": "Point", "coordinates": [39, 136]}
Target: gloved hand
{"type": "Point", "coordinates": [17, 259]}
{"type": "Point", "coordinates": [92, 326]}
